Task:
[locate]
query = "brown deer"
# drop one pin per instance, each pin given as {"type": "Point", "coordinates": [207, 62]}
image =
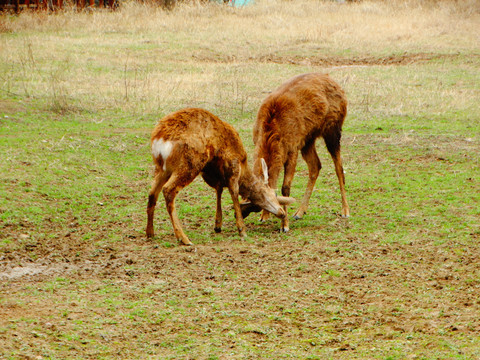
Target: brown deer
{"type": "Point", "coordinates": [193, 141]}
{"type": "Point", "coordinates": [290, 120]}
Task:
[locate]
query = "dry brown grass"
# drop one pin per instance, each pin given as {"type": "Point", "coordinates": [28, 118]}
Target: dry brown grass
{"type": "Point", "coordinates": [361, 25]}
{"type": "Point", "coordinates": [154, 57]}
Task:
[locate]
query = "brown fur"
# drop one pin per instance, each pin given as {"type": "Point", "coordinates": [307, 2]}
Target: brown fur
{"type": "Point", "coordinates": [289, 120]}
{"type": "Point", "coordinates": [203, 144]}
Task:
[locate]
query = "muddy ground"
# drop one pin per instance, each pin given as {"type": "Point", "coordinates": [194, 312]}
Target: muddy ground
{"type": "Point", "coordinates": [278, 295]}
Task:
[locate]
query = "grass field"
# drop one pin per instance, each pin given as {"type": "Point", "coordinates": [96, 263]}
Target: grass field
{"type": "Point", "coordinates": [79, 96]}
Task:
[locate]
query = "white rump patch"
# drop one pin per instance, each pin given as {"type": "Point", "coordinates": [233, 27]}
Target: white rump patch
{"type": "Point", "coordinates": [162, 148]}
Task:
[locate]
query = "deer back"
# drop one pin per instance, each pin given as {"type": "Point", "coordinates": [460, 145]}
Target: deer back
{"type": "Point", "coordinates": [197, 139]}
{"type": "Point", "coordinates": [299, 111]}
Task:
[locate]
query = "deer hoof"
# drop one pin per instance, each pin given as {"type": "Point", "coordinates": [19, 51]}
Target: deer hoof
{"type": "Point", "coordinates": [186, 242]}
{"type": "Point", "coordinates": [298, 215]}
{"type": "Point", "coordinates": [217, 229]}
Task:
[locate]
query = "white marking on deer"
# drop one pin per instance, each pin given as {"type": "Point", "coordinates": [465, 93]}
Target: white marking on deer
{"type": "Point", "coordinates": [210, 148]}
{"type": "Point", "coordinates": [162, 148]}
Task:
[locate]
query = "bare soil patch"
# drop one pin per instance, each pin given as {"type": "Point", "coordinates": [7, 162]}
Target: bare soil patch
{"type": "Point", "coordinates": [327, 60]}
{"type": "Point", "coordinates": [309, 294]}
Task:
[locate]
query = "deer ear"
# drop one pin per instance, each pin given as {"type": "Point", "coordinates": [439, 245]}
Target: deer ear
{"type": "Point", "coordinates": [285, 200]}
{"type": "Point", "coordinates": [265, 171]}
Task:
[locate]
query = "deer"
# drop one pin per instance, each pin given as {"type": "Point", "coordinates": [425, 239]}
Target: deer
{"type": "Point", "coordinates": [192, 142]}
{"type": "Point", "coordinates": [289, 120]}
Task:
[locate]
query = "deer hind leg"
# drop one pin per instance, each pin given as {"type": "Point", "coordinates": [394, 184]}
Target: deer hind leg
{"type": "Point", "coordinates": [218, 214]}
{"type": "Point", "coordinates": [314, 165]}
{"type": "Point", "coordinates": [170, 190]}
{"type": "Point", "coordinates": [333, 146]}
{"type": "Point", "coordinates": [160, 179]}
{"type": "Point", "coordinates": [289, 172]}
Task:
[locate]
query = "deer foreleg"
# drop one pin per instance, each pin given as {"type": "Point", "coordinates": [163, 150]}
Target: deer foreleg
{"type": "Point", "coordinates": [289, 172]}
{"type": "Point", "coordinates": [218, 214]}
{"type": "Point", "coordinates": [272, 183]}
{"type": "Point", "coordinates": [233, 189]}
{"type": "Point", "coordinates": [264, 216]}
{"type": "Point", "coordinates": [314, 165]}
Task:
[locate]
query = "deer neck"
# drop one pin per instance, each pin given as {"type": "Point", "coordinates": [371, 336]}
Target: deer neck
{"type": "Point", "coordinates": [271, 151]}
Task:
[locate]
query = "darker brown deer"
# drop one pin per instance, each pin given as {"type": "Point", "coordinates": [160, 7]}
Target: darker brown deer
{"type": "Point", "coordinates": [194, 142]}
{"type": "Point", "coordinates": [290, 120]}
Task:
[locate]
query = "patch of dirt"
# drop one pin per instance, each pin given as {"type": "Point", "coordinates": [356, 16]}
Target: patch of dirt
{"type": "Point", "coordinates": [329, 61]}
{"type": "Point", "coordinates": [9, 107]}
{"type": "Point", "coordinates": [21, 271]}
{"type": "Point", "coordinates": [239, 291]}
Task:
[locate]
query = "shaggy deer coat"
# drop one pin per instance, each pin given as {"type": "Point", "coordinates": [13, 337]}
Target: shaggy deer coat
{"type": "Point", "coordinates": [290, 120]}
{"type": "Point", "coordinates": [191, 142]}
